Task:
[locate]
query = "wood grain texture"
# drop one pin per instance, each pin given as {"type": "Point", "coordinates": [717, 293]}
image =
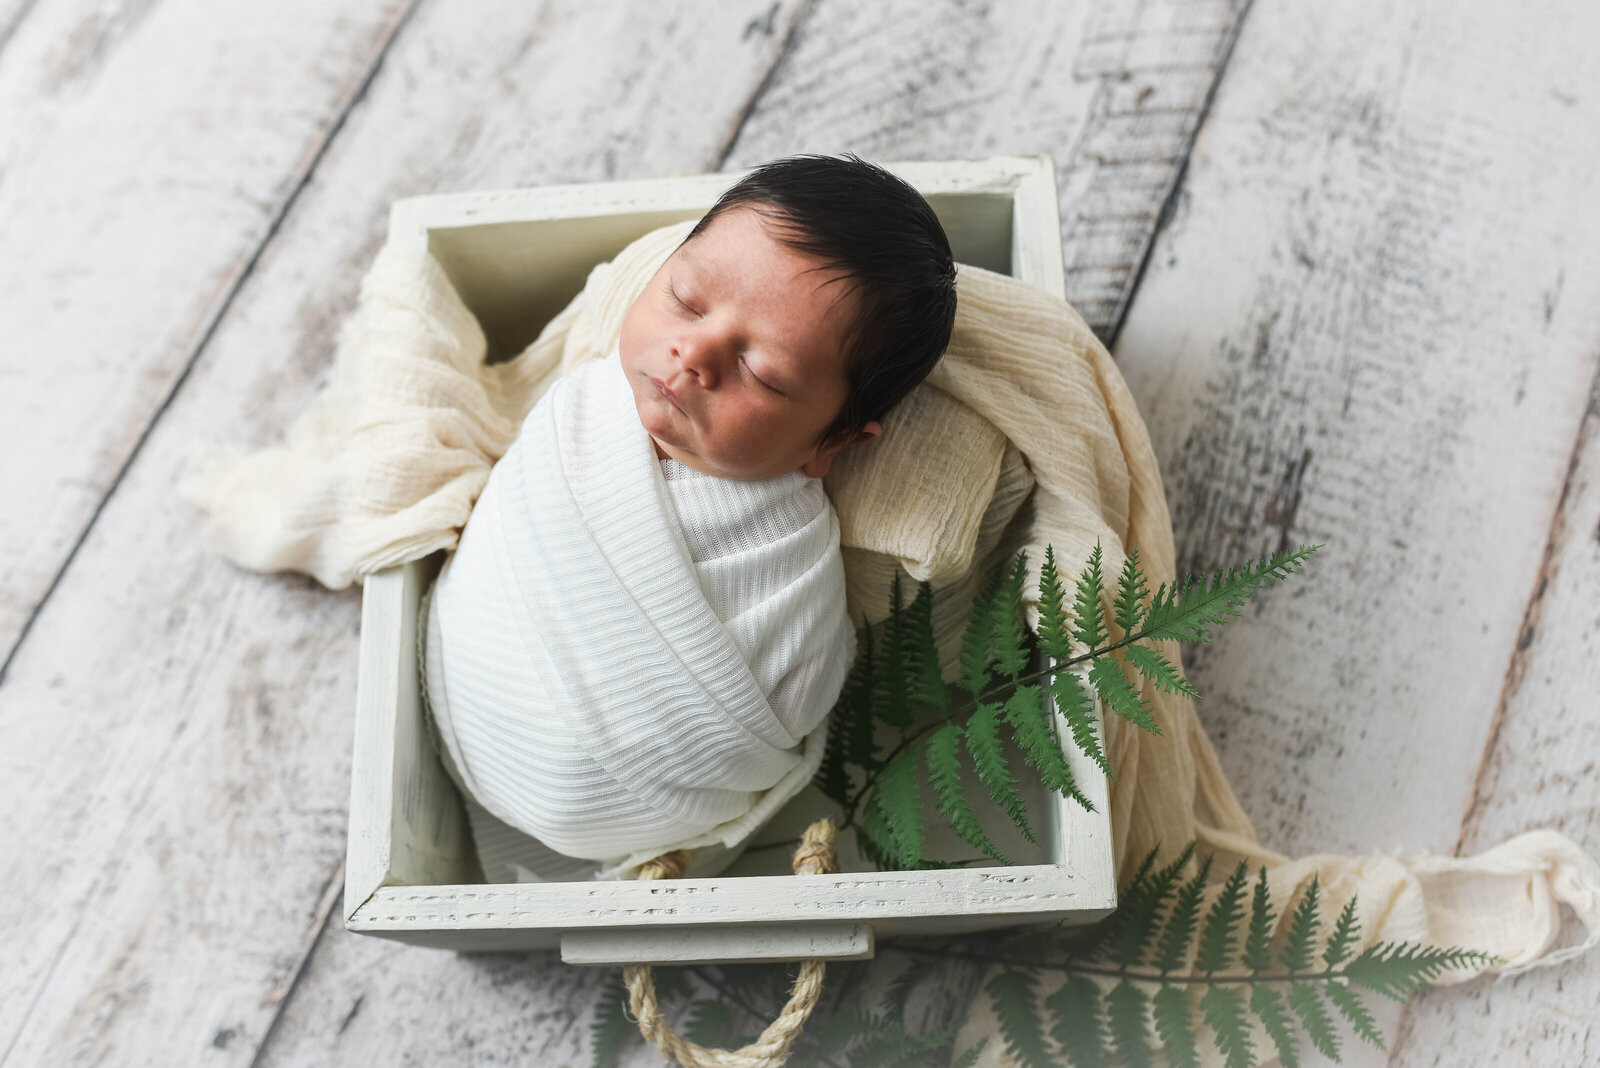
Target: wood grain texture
{"type": "Point", "coordinates": [146, 149]}
{"type": "Point", "coordinates": [1371, 323]}
{"type": "Point", "coordinates": [187, 794]}
{"type": "Point", "coordinates": [1112, 90]}
{"type": "Point", "coordinates": [1539, 771]}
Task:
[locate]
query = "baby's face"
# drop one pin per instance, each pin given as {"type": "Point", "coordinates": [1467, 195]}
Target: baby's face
{"type": "Point", "coordinates": [735, 354]}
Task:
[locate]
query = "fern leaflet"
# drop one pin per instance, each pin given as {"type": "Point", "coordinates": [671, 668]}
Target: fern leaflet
{"type": "Point", "coordinates": [1090, 625]}
{"type": "Point", "coordinates": [1173, 944]}
{"type": "Point", "coordinates": [944, 775]}
{"type": "Point", "coordinates": [1079, 1028]}
{"type": "Point", "coordinates": [1077, 707]}
{"type": "Point", "coordinates": [1115, 690]}
{"type": "Point", "coordinates": [1174, 1019]}
{"type": "Point", "coordinates": [1224, 1013]}
{"type": "Point", "coordinates": [1013, 994]}
{"type": "Point", "coordinates": [1217, 940]}
{"type": "Point", "coordinates": [1131, 592]}
{"type": "Point", "coordinates": [1258, 943]}
{"type": "Point", "coordinates": [1343, 937]}
{"type": "Point", "coordinates": [1307, 1004]}
{"type": "Point", "coordinates": [897, 795]}
{"type": "Point", "coordinates": [1186, 613]}
{"type": "Point", "coordinates": [1029, 719]}
{"type": "Point", "coordinates": [1053, 639]}
{"type": "Point", "coordinates": [611, 1024]}
{"type": "Point", "coordinates": [1159, 670]}
{"type": "Point", "coordinates": [1296, 956]}
{"type": "Point", "coordinates": [983, 742]}
{"type": "Point", "coordinates": [1269, 1010]}
{"type": "Point", "coordinates": [1126, 1013]}
{"type": "Point", "coordinates": [1350, 1007]}
{"type": "Point", "coordinates": [1010, 641]}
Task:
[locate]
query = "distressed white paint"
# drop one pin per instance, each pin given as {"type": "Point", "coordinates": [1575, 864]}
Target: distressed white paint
{"type": "Point", "coordinates": [146, 150]}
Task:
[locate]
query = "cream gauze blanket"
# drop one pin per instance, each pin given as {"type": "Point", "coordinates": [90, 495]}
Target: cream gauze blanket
{"type": "Point", "coordinates": [1025, 434]}
{"type": "Point", "coordinates": [723, 599]}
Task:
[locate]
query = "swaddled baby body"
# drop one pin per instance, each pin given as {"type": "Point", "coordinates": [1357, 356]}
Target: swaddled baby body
{"type": "Point", "coordinates": [636, 642]}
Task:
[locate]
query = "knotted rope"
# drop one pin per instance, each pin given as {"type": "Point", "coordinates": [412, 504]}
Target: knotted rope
{"type": "Point", "coordinates": [814, 856]}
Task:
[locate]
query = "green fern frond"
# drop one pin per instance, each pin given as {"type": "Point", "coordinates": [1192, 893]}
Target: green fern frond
{"type": "Point", "coordinates": [983, 742]}
{"type": "Point", "coordinates": [1217, 939]}
{"type": "Point", "coordinates": [1012, 992]}
{"type": "Point", "coordinates": [1178, 932]}
{"type": "Point", "coordinates": [833, 779]}
{"type": "Point", "coordinates": [1119, 695]}
{"type": "Point", "coordinates": [1089, 626]}
{"type": "Point", "coordinates": [857, 701]}
{"type": "Point", "coordinates": [1343, 937]}
{"type": "Point", "coordinates": [1139, 907]}
{"type": "Point", "coordinates": [1275, 1021]}
{"type": "Point", "coordinates": [1398, 970]}
{"type": "Point", "coordinates": [1224, 1012]}
{"type": "Point", "coordinates": [1011, 653]}
{"type": "Point", "coordinates": [943, 757]}
{"type": "Point", "coordinates": [1053, 625]}
{"type": "Point", "coordinates": [875, 837]}
{"type": "Point", "coordinates": [1307, 1004]}
{"type": "Point", "coordinates": [1077, 707]}
{"type": "Point", "coordinates": [1296, 955]}
{"type": "Point", "coordinates": [1258, 943]}
{"type": "Point", "coordinates": [1185, 613]}
{"type": "Point", "coordinates": [1131, 593]}
{"type": "Point", "coordinates": [1125, 1012]}
{"type": "Point", "coordinates": [931, 690]}
{"type": "Point", "coordinates": [894, 680]}
{"type": "Point", "coordinates": [979, 635]}
{"type": "Point", "coordinates": [611, 1026]}
{"type": "Point", "coordinates": [1028, 717]}
{"type": "Point", "coordinates": [1159, 670]}
{"type": "Point", "coordinates": [1079, 1027]}
{"type": "Point", "coordinates": [1174, 1018]}
{"type": "Point", "coordinates": [1350, 1007]}
{"type": "Point", "coordinates": [899, 799]}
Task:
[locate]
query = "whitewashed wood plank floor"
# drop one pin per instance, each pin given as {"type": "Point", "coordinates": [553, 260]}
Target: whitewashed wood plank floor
{"type": "Point", "coordinates": [1362, 310]}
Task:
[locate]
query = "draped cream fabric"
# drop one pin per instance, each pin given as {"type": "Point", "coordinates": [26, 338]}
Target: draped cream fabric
{"type": "Point", "coordinates": [1024, 435]}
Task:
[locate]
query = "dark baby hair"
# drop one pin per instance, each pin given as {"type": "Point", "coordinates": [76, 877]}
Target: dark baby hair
{"type": "Point", "coordinates": [880, 237]}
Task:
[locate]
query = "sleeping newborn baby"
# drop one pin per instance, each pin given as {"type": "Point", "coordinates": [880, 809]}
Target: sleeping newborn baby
{"type": "Point", "coordinates": [636, 643]}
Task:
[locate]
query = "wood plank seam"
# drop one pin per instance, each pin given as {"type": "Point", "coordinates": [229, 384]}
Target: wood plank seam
{"type": "Point", "coordinates": [9, 30]}
{"type": "Point", "coordinates": [321, 917]}
{"type": "Point", "coordinates": [49, 974]}
{"type": "Point", "coordinates": [789, 37]}
{"type": "Point", "coordinates": [1533, 612]}
{"type": "Point", "coordinates": [1168, 203]}
{"type": "Point", "coordinates": [1517, 664]}
{"type": "Point", "coordinates": [208, 330]}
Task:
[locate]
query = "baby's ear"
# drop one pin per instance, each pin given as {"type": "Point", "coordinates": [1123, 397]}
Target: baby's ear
{"type": "Point", "coordinates": [818, 465]}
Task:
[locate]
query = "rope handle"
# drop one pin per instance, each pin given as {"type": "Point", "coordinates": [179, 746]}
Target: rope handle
{"type": "Point", "coordinates": [814, 856]}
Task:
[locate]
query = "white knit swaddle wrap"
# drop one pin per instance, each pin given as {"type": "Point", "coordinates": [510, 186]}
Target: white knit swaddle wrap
{"type": "Point", "coordinates": [618, 664]}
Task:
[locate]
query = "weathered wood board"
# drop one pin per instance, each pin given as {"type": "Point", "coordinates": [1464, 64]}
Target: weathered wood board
{"type": "Point", "coordinates": [146, 152]}
{"type": "Point", "coordinates": [1111, 90]}
{"type": "Point", "coordinates": [1372, 322]}
{"type": "Point", "coordinates": [188, 794]}
{"type": "Point", "coordinates": [1539, 771]}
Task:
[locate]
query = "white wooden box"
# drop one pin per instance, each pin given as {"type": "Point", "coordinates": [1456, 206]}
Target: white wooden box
{"type": "Point", "coordinates": [516, 258]}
